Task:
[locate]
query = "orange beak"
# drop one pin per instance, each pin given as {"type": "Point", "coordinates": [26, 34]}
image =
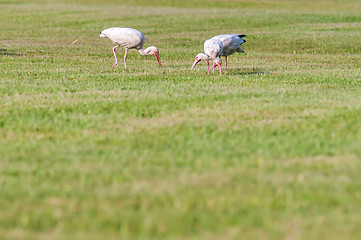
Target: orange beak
{"type": "Point", "coordinates": [220, 69]}
{"type": "Point", "coordinates": [156, 54]}
{"type": "Point", "coordinates": [195, 63]}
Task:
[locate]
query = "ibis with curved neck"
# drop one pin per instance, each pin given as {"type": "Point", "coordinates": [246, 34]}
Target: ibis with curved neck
{"type": "Point", "coordinates": [231, 44]}
{"type": "Point", "coordinates": [212, 50]}
{"type": "Point", "coordinates": [129, 38]}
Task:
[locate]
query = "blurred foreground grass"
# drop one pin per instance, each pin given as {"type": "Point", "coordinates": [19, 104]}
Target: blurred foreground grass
{"type": "Point", "coordinates": [270, 150]}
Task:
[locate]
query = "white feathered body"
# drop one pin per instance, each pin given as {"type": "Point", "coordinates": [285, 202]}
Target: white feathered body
{"type": "Point", "coordinates": [125, 37]}
{"type": "Point", "coordinates": [231, 43]}
{"type": "Point", "coordinates": [213, 48]}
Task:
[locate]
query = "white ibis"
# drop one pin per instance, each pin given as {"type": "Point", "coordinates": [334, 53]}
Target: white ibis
{"type": "Point", "coordinates": [231, 44]}
{"type": "Point", "coordinates": [129, 38]}
{"type": "Point", "coordinates": [212, 49]}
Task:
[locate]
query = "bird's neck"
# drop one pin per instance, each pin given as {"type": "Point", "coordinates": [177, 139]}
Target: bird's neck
{"type": "Point", "coordinates": [144, 52]}
{"type": "Point", "coordinates": [204, 56]}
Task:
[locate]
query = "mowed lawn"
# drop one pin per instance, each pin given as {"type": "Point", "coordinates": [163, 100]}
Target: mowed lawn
{"type": "Point", "coordinates": [269, 150]}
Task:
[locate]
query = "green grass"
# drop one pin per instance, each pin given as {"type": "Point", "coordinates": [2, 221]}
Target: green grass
{"type": "Point", "coordinates": [269, 150]}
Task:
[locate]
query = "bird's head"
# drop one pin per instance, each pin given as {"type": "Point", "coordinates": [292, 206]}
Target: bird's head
{"type": "Point", "coordinates": [155, 52]}
{"type": "Point", "coordinates": [199, 57]}
{"type": "Point", "coordinates": [102, 35]}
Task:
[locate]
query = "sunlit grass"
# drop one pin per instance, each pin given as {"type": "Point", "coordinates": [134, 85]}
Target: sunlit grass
{"type": "Point", "coordinates": [269, 150]}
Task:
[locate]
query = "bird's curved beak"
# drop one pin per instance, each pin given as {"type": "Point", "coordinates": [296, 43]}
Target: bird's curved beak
{"type": "Point", "coordinates": [195, 63]}
{"type": "Point", "coordinates": [156, 54]}
{"type": "Point", "coordinates": [220, 69]}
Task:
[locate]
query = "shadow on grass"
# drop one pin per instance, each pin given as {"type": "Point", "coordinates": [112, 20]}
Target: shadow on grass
{"type": "Point", "coordinates": [247, 71]}
{"type": "Point", "coordinates": [5, 52]}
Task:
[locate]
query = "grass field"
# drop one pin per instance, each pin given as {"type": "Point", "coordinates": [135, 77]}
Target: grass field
{"type": "Point", "coordinates": [269, 150]}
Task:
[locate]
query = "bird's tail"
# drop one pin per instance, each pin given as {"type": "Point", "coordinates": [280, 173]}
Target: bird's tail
{"type": "Point", "coordinates": [240, 50]}
{"type": "Point", "coordinates": [242, 36]}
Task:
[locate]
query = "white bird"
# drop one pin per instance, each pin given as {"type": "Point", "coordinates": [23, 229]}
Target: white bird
{"type": "Point", "coordinates": [212, 50]}
{"type": "Point", "coordinates": [129, 38]}
{"type": "Point", "coordinates": [231, 44]}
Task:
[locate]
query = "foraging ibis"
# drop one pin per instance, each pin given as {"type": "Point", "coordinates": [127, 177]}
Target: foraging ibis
{"type": "Point", "coordinates": [212, 50]}
{"type": "Point", "coordinates": [129, 38]}
{"type": "Point", "coordinates": [231, 44]}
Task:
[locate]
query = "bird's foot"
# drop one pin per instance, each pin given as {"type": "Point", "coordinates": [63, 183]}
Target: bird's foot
{"type": "Point", "coordinates": [115, 64]}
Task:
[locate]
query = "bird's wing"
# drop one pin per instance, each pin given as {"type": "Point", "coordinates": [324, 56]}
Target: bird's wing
{"type": "Point", "coordinates": [241, 41]}
{"type": "Point", "coordinates": [240, 50]}
{"type": "Point", "coordinates": [241, 36]}
{"type": "Point", "coordinates": [126, 37]}
{"type": "Point", "coordinates": [221, 37]}
{"type": "Point", "coordinates": [226, 39]}
{"type": "Point", "coordinates": [231, 43]}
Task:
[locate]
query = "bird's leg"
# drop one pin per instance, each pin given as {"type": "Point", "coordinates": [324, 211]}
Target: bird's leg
{"type": "Point", "coordinates": [125, 58]}
{"type": "Point", "coordinates": [208, 65]}
{"type": "Point", "coordinates": [225, 64]}
{"type": "Point", "coordinates": [220, 69]}
{"type": "Point", "coordinates": [115, 56]}
{"type": "Point", "coordinates": [214, 65]}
